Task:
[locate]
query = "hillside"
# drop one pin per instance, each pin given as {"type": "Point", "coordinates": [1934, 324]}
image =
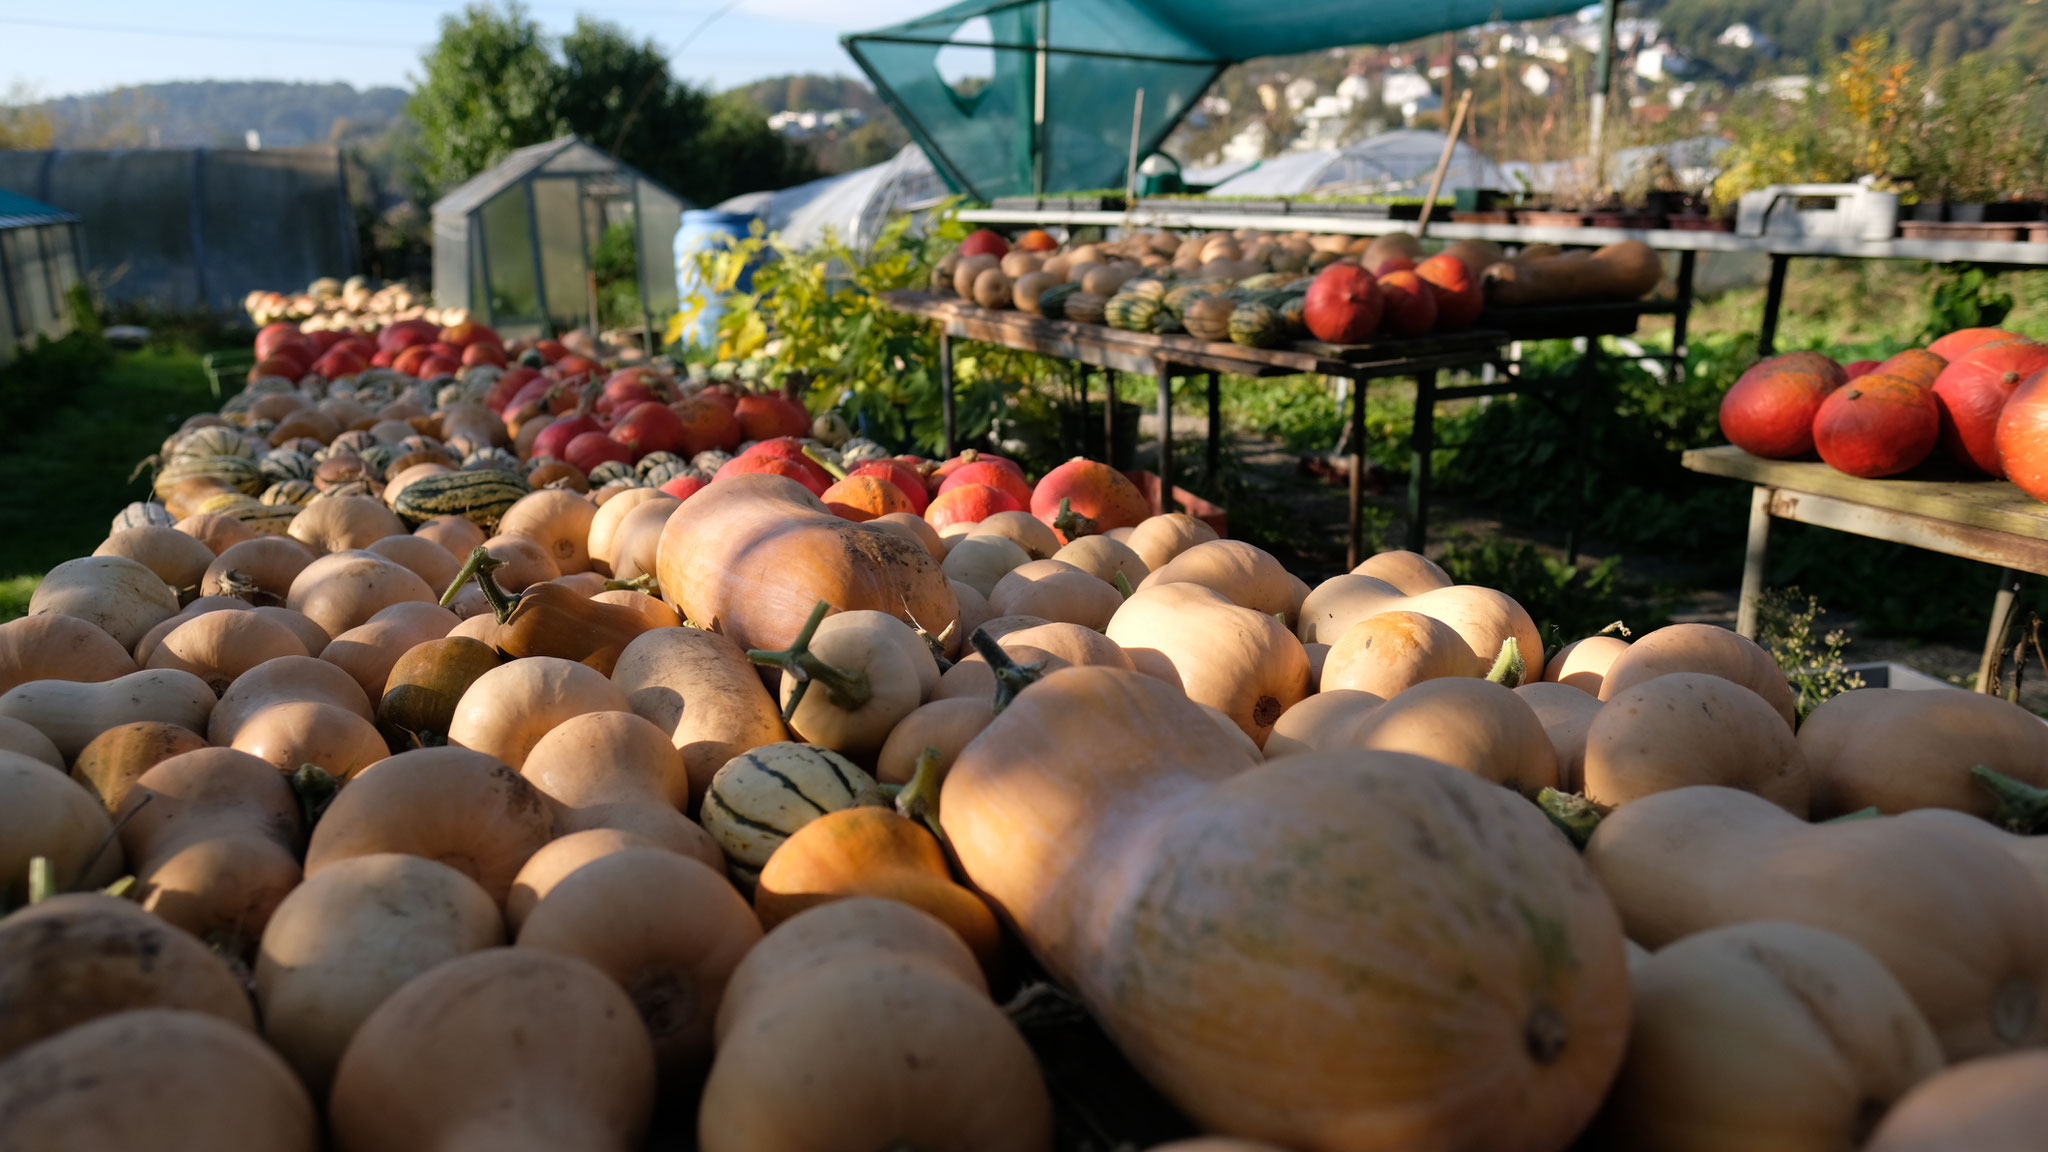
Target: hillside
{"type": "Point", "coordinates": [219, 113]}
{"type": "Point", "coordinates": [1806, 32]}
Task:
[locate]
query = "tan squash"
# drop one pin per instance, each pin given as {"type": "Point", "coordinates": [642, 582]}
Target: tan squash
{"type": "Point", "coordinates": [667, 929]}
{"type": "Point", "coordinates": [1689, 728]}
{"type": "Point", "coordinates": [59, 647]}
{"type": "Point", "coordinates": [111, 763]}
{"type": "Point", "coordinates": [1701, 648]}
{"type": "Point", "coordinates": [119, 595]}
{"type": "Point", "coordinates": [145, 648]}
{"type": "Point", "coordinates": [699, 688]}
{"type": "Point", "coordinates": [1321, 722]}
{"type": "Point", "coordinates": [23, 739]}
{"type": "Point", "coordinates": [1072, 643]}
{"type": "Point", "coordinates": [369, 651]}
{"type": "Point", "coordinates": [1583, 664]}
{"type": "Point", "coordinates": [83, 955]}
{"type": "Point", "coordinates": [636, 544]}
{"type": "Point", "coordinates": [298, 732]}
{"type": "Point", "coordinates": [343, 589]}
{"type": "Point", "coordinates": [341, 943]}
{"type": "Point", "coordinates": [1961, 925]}
{"type": "Point", "coordinates": [287, 679]}
{"type": "Point", "coordinates": [508, 709]}
{"type": "Point", "coordinates": [219, 647]}
{"type": "Point", "coordinates": [605, 521]}
{"type": "Point", "coordinates": [653, 612]}
{"type": "Point", "coordinates": [981, 562]}
{"type": "Point", "coordinates": [944, 726]}
{"type": "Point", "coordinates": [1158, 539]}
{"type": "Point", "coordinates": [1247, 576]}
{"type": "Point", "coordinates": [865, 671]}
{"type": "Point", "coordinates": [557, 519]}
{"type": "Point", "coordinates": [616, 770]}
{"type": "Point", "coordinates": [975, 679]}
{"type": "Point", "coordinates": [72, 714]}
{"type": "Point", "coordinates": [1988, 1105]}
{"type": "Point", "coordinates": [1023, 529]}
{"type": "Point", "coordinates": [1474, 725]}
{"type": "Point", "coordinates": [1764, 1035]}
{"type": "Point", "coordinates": [525, 562]}
{"type": "Point", "coordinates": [1566, 714]}
{"type": "Point", "coordinates": [457, 534]}
{"type": "Point", "coordinates": [453, 805]}
{"type": "Point", "coordinates": [42, 813]}
{"type": "Point", "coordinates": [313, 636]}
{"type": "Point", "coordinates": [1897, 750]}
{"type": "Point", "coordinates": [213, 839]}
{"type": "Point", "coordinates": [156, 1079]}
{"type": "Point", "coordinates": [1411, 572]}
{"type": "Point", "coordinates": [428, 560]}
{"type": "Point", "coordinates": [216, 530]}
{"type": "Point", "coordinates": [563, 856]}
{"type": "Point", "coordinates": [513, 1049]}
{"type": "Point", "coordinates": [341, 523]}
{"type": "Point", "coordinates": [1057, 591]}
{"type": "Point", "coordinates": [1105, 559]}
{"type": "Point", "coordinates": [260, 571]}
{"type": "Point", "coordinates": [1239, 660]}
{"type": "Point", "coordinates": [1484, 618]}
{"type": "Point", "coordinates": [177, 559]}
{"type": "Point", "coordinates": [1389, 652]}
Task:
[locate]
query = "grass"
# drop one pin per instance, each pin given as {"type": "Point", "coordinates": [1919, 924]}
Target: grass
{"type": "Point", "coordinates": [67, 477]}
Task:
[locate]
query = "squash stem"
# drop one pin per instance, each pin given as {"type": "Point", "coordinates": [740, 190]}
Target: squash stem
{"type": "Point", "coordinates": [644, 582]}
{"type": "Point", "coordinates": [502, 602]}
{"type": "Point", "coordinates": [919, 799]}
{"type": "Point", "coordinates": [315, 789]}
{"type": "Point", "coordinates": [463, 574]}
{"type": "Point", "coordinates": [1849, 817]}
{"type": "Point", "coordinates": [849, 689]}
{"type": "Point", "coordinates": [120, 889]}
{"type": "Point", "coordinates": [1123, 584]}
{"type": "Point", "coordinates": [1073, 523]}
{"type": "Point", "coordinates": [1011, 677]}
{"type": "Point", "coordinates": [2016, 807]}
{"type": "Point", "coordinates": [831, 469]}
{"type": "Point", "coordinates": [1508, 667]}
{"type": "Point", "coordinates": [1575, 816]}
{"type": "Point", "coordinates": [42, 879]}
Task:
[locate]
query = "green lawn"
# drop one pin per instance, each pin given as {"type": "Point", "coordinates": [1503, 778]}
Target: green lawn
{"type": "Point", "coordinates": [65, 479]}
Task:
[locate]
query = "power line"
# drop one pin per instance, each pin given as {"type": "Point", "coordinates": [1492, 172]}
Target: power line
{"type": "Point", "coordinates": [189, 34]}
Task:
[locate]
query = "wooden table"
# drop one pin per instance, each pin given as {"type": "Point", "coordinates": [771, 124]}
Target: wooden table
{"type": "Point", "coordinates": [1990, 521]}
{"type": "Point", "coordinates": [1163, 357]}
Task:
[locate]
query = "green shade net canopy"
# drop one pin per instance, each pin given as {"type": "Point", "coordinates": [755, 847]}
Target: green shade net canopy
{"type": "Point", "coordinates": [1050, 108]}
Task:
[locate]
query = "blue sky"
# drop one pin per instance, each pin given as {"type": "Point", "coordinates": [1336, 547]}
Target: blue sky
{"type": "Point", "coordinates": [91, 45]}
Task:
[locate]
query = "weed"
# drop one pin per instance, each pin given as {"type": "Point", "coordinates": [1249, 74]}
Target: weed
{"type": "Point", "coordinates": [1787, 626]}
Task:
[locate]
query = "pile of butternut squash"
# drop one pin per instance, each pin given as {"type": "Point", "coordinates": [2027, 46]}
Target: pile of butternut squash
{"type": "Point", "coordinates": [617, 815]}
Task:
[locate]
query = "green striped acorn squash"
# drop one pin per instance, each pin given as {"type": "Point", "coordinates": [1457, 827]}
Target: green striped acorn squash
{"type": "Point", "coordinates": [355, 441]}
{"type": "Point", "coordinates": [500, 459]}
{"type": "Point", "coordinates": [1209, 317]}
{"type": "Point", "coordinates": [294, 492]}
{"type": "Point", "coordinates": [1265, 281]}
{"type": "Point", "coordinates": [1149, 287]}
{"type": "Point", "coordinates": [213, 440]}
{"type": "Point", "coordinates": [1182, 296]}
{"type": "Point", "coordinates": [143, 514]}
{"type": "Point", "coordinates": [237, 472]}
{"type": "Point", "coordinates": [1131, 311]}
{"type": "Point", "coordinates": [1085, 307]}
{"type": "Point", "coordinates": [1052, 303]}
{"type": "Point", "coordinates": [280, 464]}
{"type": "Point", "coordinates": [480, 496]}
{"type": "Point", "coordinates": [649, 464]}
{"type": "Point", "coordinates": [1294, 316]}
{"type": "Point", "coordinates": [1256, 325]}
{"type": "Point", "coordinates": [1167, 324]}
{"type": "Point", "coordinates": [608, 471]}
{"type": "Point", "coordinates": [761, 797]}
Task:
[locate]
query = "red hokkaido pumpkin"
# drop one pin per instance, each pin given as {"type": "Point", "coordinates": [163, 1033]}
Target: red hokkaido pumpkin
{"type": "Point", "coordinates": [707, 425]}
{"type": "Point", "coordinates": [1857, 369]}
{"type": "Point", "coordinates": [1879, 426]}
{"type": "Point", "coordinates": [1037, 240]}
{"type": "Point", "coordinates": [766, 417]}
{"type": "Point", "coordinates": [1459, 298]}
{"type": "Point", "coordinates": [2023, 437]}
{"type": "Point", "coordinates": [649, 427]}
{"type": "Point", "coordinates": [1409, 305]}
{"type": "Point", "coordinates": [1963, 341]}
{"type": "Point", "coordinates": [1770, 410]}
{"type": "Point", "coordinates": [773, 466]}
{"type": "Point", "coordinates": [590, 449]}
{"type": "Point", "coordinates": [792, 450]}
{"type": "Point", "coordinates": [969, 503]}
{"type": "Point", "coordinates": [1343, 305]}
{"type": "Point", "coordinates": [1092, 489]}
{"type": "Point", "coordinates": [982, 242]}
{"type": "Point", "coordinates": [862, 498]}
{"type": "Point", "coordinates": [1001, 475]}
{"type": "Point", "coordinates": [684, 487]}
{"type": "Point", "coordinates": [1917, 365]}
{"type": "Point", "coordinates": [1972, 391]}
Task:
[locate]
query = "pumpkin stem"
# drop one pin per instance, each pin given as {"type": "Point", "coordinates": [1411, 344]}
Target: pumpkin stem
{"type": "Point", "coordinates": [937, 643]}
{"type": "Point", "coordinates": [1508, 667]}
{"type": "Point", "coordinates": [1859, 814]}
{"type": "Point", "coordinates": [1616, 627]}
{"type": "Point", "coordinates": [1011, 677]}
{"type": "Point", "coordinates": [2016, 807]}
{"type": "Point", "coordinates": [238, 585]}
{"type": "Point", "coordinates": [644, 582]}
{"type": "Point", "coordinates": [120, 889]}
{"type": "Point", "coordinates": [849, 689]}
{"type": "Point", "coordinates": [1123, 583]}
{"type": "Point", "coordinates": [479, 567]}
{"type": "Point", "coordinates": [315, 789]}
{"type": "Point", "coordinates": [1575, 816]}
{"type": "Point", "coordinates": [836, 472]}
{"type": "Point", "coordinates": [42, 879]}
{"type": "Point", "coordinates": [919, 799]}
{"type": "Point", "coordinates": [1073, 523]}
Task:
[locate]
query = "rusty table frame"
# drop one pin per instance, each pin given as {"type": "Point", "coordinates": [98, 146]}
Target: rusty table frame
{"type": "Point", "coordinates": [1989, 521]}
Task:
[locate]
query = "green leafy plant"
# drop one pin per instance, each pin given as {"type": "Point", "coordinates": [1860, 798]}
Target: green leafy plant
{"type": "Point", "coordinates": [1966, 297]}
{"type": "Point", "coordinates": [1567, 602]}
{"type": "Point", "coordinates": [1788, 628]}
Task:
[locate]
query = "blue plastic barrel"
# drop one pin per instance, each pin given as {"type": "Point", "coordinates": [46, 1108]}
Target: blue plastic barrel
{"type": "Point", "coordinates": [705, 230]}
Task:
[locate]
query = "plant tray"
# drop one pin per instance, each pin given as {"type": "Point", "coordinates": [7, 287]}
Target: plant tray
{"type": "Point", "coordinates": [2038, 233]}
{"type": "Point", "coordinates": [1979, 233]}
{"type": "Point", "coordinates": [1698, 224]}
{"type": "Point", "coordinates": [1547, 219]}
{"type": "Point", "coordinates": [1496, 216]}
{"type": "Point", "coordinates": [1637, 220]}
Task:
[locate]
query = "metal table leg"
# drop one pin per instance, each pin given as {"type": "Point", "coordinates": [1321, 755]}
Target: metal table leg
{"type": "Point", "coordinates": [1753, 561]}
{"type": "Point", "coordinates": [1774, 296]}
{"type": "Point", "coordinates": [1215, 457]}
{"type": "Point", "coordinates": [1354, 551]}
{"type": "Point", "coordinates": [2001, 623]}
{"type": "Point", "coordinates": [1419, 465]}
{"type": "Point", "coordinates": [1682, 313]}
{"type": "Point", "coordinates": [946, 390]}
{"type": "Point", "coordinates": [1165, 373]}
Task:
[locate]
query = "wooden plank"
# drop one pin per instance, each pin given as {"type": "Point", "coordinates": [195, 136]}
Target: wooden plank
{"type": "Point", "coordinates": [1933, 534]}
{"type": "Point", "coordinates": [1992, 505]}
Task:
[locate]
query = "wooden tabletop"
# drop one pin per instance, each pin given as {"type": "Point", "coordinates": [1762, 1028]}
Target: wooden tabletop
{"type": "Point", "coordinates": [1991, 505]}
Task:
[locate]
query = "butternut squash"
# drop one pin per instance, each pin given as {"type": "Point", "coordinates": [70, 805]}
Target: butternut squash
{"type": "Point", "coordinates": [1023, 529]}
{"type": "Point", "coordinates": [1243, 574]}
{"type": "Point", "coordinates": [1410, 572]}
{"type": "Point", "coordinates": [699, 688]}
{"type": "Point", "coordinates": [1566, 714]}
{"type": "Point", "coordinates": [1239, 660]}
{"type": "Point", "coordinates": [604, 524]}
{"type": "Point", "coordinates": [850, 677]}
{"type": "Point", "coordinates": [557, 519]}
{"type": "Point", "coordinates": [616, 770]}
{"type": "Point", "coordinates": [71, 713]}
{"type": "Point", "coordinates": [1625, 270]}
{"type": "Point", "coordinates": [1896, 751]}
{"type": "Point", "coordinates": [287, 679]}
{"type": "Point", "coordinates": [1701, 648]}
{"type": "Point", "coordinates": [343, 589]}
{"type": "Point", "coordinates": [213, 839]}
{"type": "Point", "coordinates": [21, 738]}
{"type": "Point", "coordinates": [370, 650]}
{"type": "Point", "coordinates": [1389, 652]}
{"type": "Point", "coordinates": [636, 545]}
{"type": "Point", "coordinates": [428, 560]}
{"type": "Point", "coordinates": [1057, 591]}
{"type": "Point", "coordinates": [218, 647]}
{"type": "Point", "coordinates": [506, 711]}
{"type": "Point", "coordinates": [42, 813]}
{"type": "Point", "coordinates": [1474, 725]}
{"type": "Point", "coordinates": [1322, 722]}
{"type": "Point", "coordinates": [260, 571]}
{"type": "Point", "coordinates": [340, 523]}
{"type": "Point", "coordinates": [59, 647]}
{"type": "Point", "coordinates": [1690, 728]}
{"type": "Point", "coordinates": [562, 856]}
{"type": "Point", "coordinates": [1158, 539]}
{"type": "Point", "coordinates": [296, 732]}
{"type": "Point", "coordinates": [983, 563]}
{"type": "Point", "coordinates": [1988, 1105]}
{"type": "Point", "coordinates": [1583, 664]}
{"type": "Point", "coordinates": [177, 559]}
{"type": "Point", "coordinates": [118, 595]}
{"type": "Point", "coordinates": [109, 766]}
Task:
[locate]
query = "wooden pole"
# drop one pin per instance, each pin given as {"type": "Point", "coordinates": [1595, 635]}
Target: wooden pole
{"type": "Point", "coordinates": [1131, 171]}
{"type": "Point", "coordinates": [1443, 163]}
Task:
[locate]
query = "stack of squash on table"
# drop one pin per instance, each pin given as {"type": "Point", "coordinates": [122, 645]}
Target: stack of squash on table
{"type": "Point", "coordinates": [371, 833]}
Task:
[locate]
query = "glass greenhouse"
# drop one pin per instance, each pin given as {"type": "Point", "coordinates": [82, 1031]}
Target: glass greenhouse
{"type": "Point", "coordinates": [41, 251]}
{"type": "Point", "coordinates": [516, 244]}
{"type": "Point", "coordinates": [1387, 164]}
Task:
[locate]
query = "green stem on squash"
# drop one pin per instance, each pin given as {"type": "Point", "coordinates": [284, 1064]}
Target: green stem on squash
{"type": "Point", "coordinates": [2016, 807]}
{"type": "Point", "coordinates": [848, 688]}
{"type": "Point", "coordinates": [1011, 677]}
{"type": "Point", "coordinates": [42, 879]}
{"type": "Point", "coordinates": [315, 789]}
{"type": "Point", "coordinates": [1859, 814]}
{"type": "Point", "coordinates": [1123, 583]}
{"type": "Point", "coordinates": [120, 889]}
{"type": "Point", "coordinates": [919, 799]}
{"type": "Point", "coordinates": [1508, 667]}
{"type": "Point", "coordinates": [834, 470]}
{"type": "Point", "coordinates": [644, 582]}
{"type": "Point", "coordinates": [502, 602]}
{"type": "Point", "coordinates": [937, 644]}
{"type": "Point", "coordinates": [1072, 523]}
{"type": "Point", "coordinates": [1575, 816]}
{"type": "Point", "coordinates": [477, 557]}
